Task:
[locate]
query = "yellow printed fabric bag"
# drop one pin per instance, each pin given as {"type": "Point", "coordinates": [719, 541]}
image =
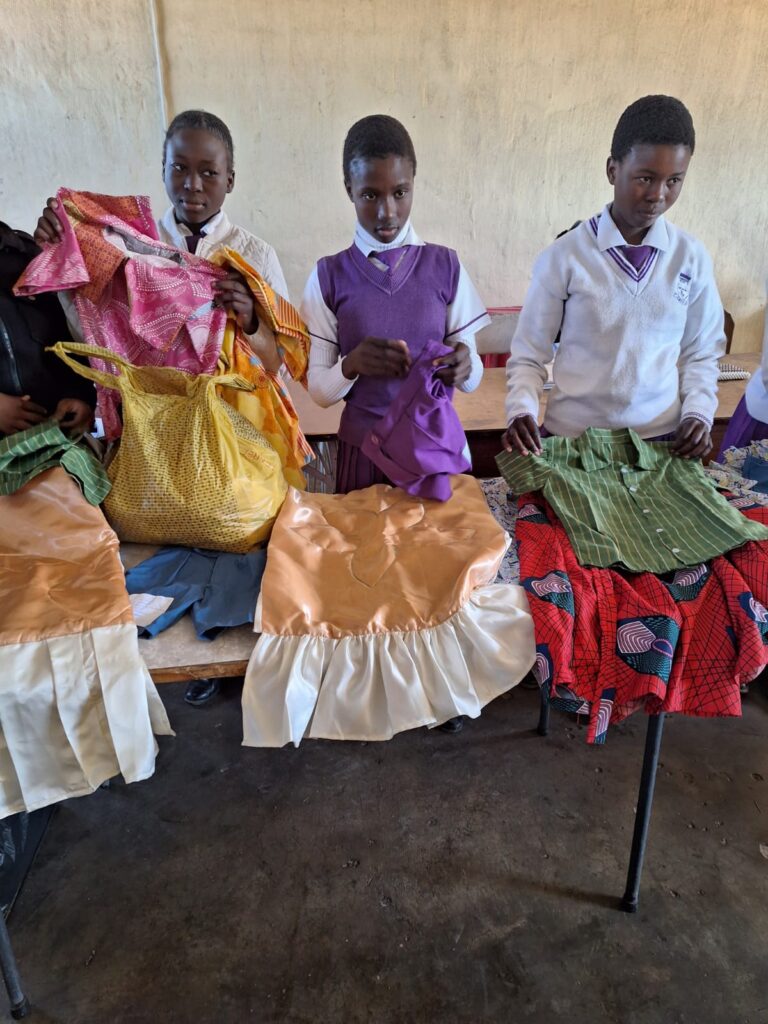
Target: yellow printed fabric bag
{"type": "Point", "coordinates": [268, 404]}
{"type": "Point", "coordinates": [190, 469]}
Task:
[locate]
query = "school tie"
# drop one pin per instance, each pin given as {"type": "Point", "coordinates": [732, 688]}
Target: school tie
{"type": "Point", "coordinates": [192, 241]}
{"type": "Point", "coordinates": [636, 254]}
{"type": "Point", "coordinates": [391, 257]}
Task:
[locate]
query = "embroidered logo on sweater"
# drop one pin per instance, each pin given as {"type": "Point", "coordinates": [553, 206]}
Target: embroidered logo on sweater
{"type": "Point", "coordinates": [682, 288]}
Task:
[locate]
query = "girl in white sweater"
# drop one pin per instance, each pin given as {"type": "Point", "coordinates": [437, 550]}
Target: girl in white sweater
{"type": "Point", "coordinates": [634, 300]}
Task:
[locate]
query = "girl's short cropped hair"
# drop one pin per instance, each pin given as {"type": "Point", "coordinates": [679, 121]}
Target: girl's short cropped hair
{"type": "Point", "coordinates": [654, 121]}
{"type": "Point", "coordinates": [376, 137]}
{"type": "Point", "coordinates": [201, 119]}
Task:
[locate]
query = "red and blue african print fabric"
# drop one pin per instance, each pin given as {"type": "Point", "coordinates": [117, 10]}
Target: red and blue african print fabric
{"type": "Point", "coordinates": [609, 643]}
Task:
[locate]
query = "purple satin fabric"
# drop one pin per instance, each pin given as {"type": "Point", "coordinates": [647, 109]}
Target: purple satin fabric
{"type": "Point", "coordinates": [420, 443]}
{"type": "Point", "coordinates": [742, 429]}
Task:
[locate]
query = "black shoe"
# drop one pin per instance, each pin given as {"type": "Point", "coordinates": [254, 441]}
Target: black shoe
{"type": "Point", "coordinates": [200, 691]}
{"type": "Point", "coordinates": [453, 725]}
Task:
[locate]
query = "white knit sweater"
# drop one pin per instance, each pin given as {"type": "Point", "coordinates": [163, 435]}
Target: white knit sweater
{"type": "Point", "coordinates": [631, 354]}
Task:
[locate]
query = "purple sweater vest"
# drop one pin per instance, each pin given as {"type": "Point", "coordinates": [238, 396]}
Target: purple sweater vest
{"type": "Point", "coordinates": [409, 302]}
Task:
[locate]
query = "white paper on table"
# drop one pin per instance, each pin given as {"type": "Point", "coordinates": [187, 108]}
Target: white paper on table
{"type": "Point", "coordinates": [148, 607]}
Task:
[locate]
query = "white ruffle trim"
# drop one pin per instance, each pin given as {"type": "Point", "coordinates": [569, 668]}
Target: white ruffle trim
{"type": "Point", "coordinates": [74, 712]}
{"type": "Point", "coordinates": [373, 686]}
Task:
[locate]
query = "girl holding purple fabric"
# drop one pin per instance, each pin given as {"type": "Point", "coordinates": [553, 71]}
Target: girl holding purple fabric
{"type": "Point", "coordinates": [372, 308]}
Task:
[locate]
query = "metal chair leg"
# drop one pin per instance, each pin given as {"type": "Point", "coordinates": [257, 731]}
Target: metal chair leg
{"type": "Point", "coordinates": [643, 813]}
{"type": "Point", "coordinates": [19, 1003]}
{"type": "Point", "coordinates": [544, 707]}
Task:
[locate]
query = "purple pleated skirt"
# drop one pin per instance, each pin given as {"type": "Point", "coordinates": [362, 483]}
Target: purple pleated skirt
{"type": "Point", "coordinates": [742, 429]}
{"type": "Point", "coordinates": [354, 471]}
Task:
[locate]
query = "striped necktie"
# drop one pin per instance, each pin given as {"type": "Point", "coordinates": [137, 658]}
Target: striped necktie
{"type": "Point", "coordinates": [390, 257]}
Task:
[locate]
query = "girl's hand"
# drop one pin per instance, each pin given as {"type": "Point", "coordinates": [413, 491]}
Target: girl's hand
{"type": "Point", "coordinates": [74, 415]}
{"type": "Point", "coordinates": [234, 295]}
{"type": "Point", "coordinates": [377, 357]}
{"type": "Point", "coordinates": [456, 367]}
{"type": "Point", "coordinates": [19, 413]}
{"type": "Point", "coordinates": [692, 440]}
{"type": "Point", "coordinates": [522, 436]}
{"type": "Point", "coordinates": [49, 227]}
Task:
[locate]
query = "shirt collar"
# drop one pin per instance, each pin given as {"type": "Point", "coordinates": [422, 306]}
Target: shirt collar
{"type": "Point", "coordinates": [600, 448]}
{"type": "Point", "coordinates": [217, 224]}
{"type": "Point", "coordinates": [609, 236]}
{"type": "Point", "coordinates": [367, 243]}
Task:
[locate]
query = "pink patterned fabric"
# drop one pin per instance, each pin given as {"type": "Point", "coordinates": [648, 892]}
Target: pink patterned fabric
{"type": "Point", "coordinates": [142, 299]}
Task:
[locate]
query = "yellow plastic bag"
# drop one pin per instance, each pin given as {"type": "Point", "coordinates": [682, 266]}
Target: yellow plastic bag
{"type": "Point", "coordinates": [190, 469]}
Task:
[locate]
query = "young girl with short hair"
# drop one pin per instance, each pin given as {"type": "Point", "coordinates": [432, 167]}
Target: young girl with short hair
{"type": "Point", "coordinates": [635, 301]}
{"type": "Point", "coordinates": [199, 173]}
{"type": "Point", "coordinates": [372, 308]}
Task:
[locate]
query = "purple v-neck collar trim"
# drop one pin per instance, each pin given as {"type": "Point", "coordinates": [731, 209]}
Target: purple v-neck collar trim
{"type": "Point", "coordinates": [389, 281]}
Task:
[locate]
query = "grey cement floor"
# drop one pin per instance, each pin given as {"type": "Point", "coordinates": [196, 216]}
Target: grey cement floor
{"type": "Point", "coordinates": [459, 880]}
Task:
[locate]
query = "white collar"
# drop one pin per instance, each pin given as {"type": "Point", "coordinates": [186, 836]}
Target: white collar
{"type": "Point", "coordinates": [177, 230]}
{"type": "Point", "coordinates": [367, 243]}
{"type": "Point", "coordinates": [609, 236]}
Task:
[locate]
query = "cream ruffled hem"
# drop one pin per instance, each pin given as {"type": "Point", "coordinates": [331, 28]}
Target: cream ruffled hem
{"type": "Point", "coordinates": [74, 712]}
{"type": "Point", "coordinates": [373, 686]}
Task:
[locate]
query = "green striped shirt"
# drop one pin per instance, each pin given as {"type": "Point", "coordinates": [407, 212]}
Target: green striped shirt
{"type": "Point", "coordinates": [30, 452]}
{"type": "Point", "coordinates": [629, 503]}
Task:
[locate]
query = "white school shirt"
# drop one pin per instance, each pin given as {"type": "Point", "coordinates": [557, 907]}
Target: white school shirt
{"type": "Point", "coordinates": [464, 317]}
{"type": "Point", "coordinates": [756, 395]}
{"type": "Point", "coordinates": [639, 354]}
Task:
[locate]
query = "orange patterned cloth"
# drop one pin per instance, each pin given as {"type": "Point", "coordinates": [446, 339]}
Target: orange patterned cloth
{"type": "Point", "coordinates": [268, 406]}
{"type": "Point", "coordinates": [291, 334]}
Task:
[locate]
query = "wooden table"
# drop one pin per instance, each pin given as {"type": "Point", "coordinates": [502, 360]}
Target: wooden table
{"type": "Point", "coordinates": [482, 412]}
{"type": "Point", "coordinates": [178, 656]}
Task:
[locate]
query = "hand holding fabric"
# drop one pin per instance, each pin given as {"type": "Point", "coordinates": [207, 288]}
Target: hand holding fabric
{"type": "Point", "coordinates": [456, 367]}
{"type": "Point", "coordinates": [49, 227]}
{"type": "Point", "coordinates": [234, 295]}
{"type": "Point", "coordinates": [19, 413]}
{"type": "Point", "coordinates": [377, 357]}
{"type": "Point", "coordinates": [522, 436]}
{"type": "Point", "coordinates": [692, 440]}
{"type": "Point", "coordinates": [73, 415]}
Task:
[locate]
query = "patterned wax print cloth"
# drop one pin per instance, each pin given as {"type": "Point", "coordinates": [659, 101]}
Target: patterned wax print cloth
{"type": "Point", "coordinates": [628, 503]}
{"type": "Point", "coordinates": [268, 406]}
{"type": "Point", "coordinates": [77, 705]}
{"type": "Point", "coordinates": [153, 305]}
{"type": "Point", "coordinates": [134, 295]}
{"type": "Point", "coordinates": [378, 613]}
{"type": "Point", "coordinates": [609, 642]}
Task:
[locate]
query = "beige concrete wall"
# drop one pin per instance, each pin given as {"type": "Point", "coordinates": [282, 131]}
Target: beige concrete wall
{"type": "Point", "coordinates": [511, 106]}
